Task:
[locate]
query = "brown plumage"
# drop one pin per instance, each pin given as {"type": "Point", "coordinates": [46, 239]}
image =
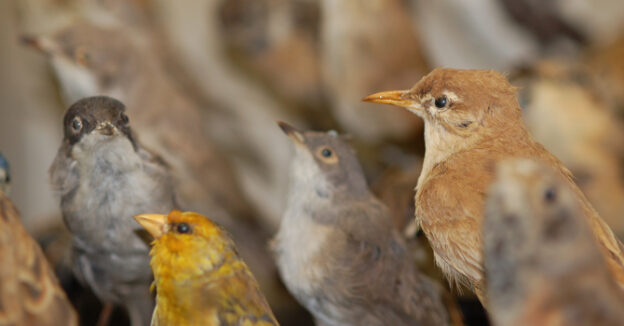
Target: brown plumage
{"type": "Point", "coordinates": [542, 262]}
{"type": "Point", "coordinates": [29, 291]}
{"type": "Point", "coordinates": [472, 121]}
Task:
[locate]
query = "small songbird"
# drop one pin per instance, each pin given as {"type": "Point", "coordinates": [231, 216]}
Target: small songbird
{"type": "Point", "coordinates": [472, 121]}
{"type": "Point", "coordinates": [199, 277]}
{"type": "Point", "coordinates": [104, 178]}
{"type": "Point", "coordinates": [5, 175]}
{"type": "Point", "coordinates": [337, 250]}
{"type": "Point", "coordinates": [29, 291]}
{"type": "Point", "coordinates": [542, 262]}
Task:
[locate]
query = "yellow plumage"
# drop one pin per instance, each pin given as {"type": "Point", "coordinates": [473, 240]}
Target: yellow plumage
{"type": "Point", "coordinates": [198, 275]}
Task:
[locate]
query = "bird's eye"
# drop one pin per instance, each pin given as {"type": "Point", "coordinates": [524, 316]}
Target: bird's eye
{"type": "Point", "coordinates": [124, 118]}
{"type": "Point", "coordinates": [326, 152]}
{"type": "Point", "coordinates": [183, 228]}
{"type": "Point", "coordinates": [76, 124]}
{"type": "Point", "coordinates": [550, 195]}
{"type": "Point", "coordinates": [440, 102]}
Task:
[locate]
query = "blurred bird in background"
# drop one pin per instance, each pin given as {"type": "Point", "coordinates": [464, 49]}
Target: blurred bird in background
{"type": "Point", "coordinates": [199, 277]}
{"type": "Point", "coordinates": [337, 249]}
{"type": "Point", "coordinates": [542, 262]}
{"type": "Point", "coordinates": [357, 59]}
{"type": "Point", "coordinates": [29, 291]}
{"type": "Point", "coordinates": [472, 121]}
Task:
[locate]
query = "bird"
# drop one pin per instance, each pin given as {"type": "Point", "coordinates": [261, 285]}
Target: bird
{"type": "Point", "coordinates": [30, 294]}
{"type": "Point", "coordinates": [542, 262]}
{"type": "Point", "coordinates": [472, 121]}
{"type": "Point", "coordinates": [563, 109]}
{"type": "Point", "coordinates": [104, 177]}
{"type": "Point", "coordinates": [5, 175]}
{"type": "Point", "coordinates": [198, 275]}
{"type": "Point", "coordinates": [337, 250]}
{"type": "Point", "coordinates": [127, 66]}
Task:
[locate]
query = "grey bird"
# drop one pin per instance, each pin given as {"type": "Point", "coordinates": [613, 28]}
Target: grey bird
{"type": "Point", "coordinates": [336, 248]}
{"type": "Point", "coordinates": [543, 265]}
{"type": "Point", "coordinates": [104, 177]}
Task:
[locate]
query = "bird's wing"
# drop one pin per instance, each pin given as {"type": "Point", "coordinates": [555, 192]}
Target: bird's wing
{"type": "Point", "coordinates": [449, 207]}
{"type": "Point", "coordinates": [382, 270]}
{"type": "Point", "coordinates": [239, 299]}
{"type": "Point", "coordinates": [30, 293]}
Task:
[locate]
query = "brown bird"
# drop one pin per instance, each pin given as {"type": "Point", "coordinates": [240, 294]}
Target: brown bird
{"type": "Point", "coordinates": [337, 250]}
{"type": "Point", "coordinates": [472, 121]}
{"type": "Point", "coordinates": [542, 262]}
{"type": "Point", "coordinates": [29, 291]}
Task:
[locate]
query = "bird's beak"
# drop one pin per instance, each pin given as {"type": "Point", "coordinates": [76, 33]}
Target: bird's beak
{"type": "Point", "coordinates": [106, 129]}
{"type": "Point", "coordinates": [397, 98]}
{"type": "Point", "coordinates": [291, 132]}
{"type": "Point", "coordinates": [153, 223]}
{"type": "Point", "coordinates": [40, 43]}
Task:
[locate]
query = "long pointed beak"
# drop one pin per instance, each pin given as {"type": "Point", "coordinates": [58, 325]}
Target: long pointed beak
{"type": "Point", "coordinates": [291, 132]}
{"type": "Point", "coordinates": [40, 43]}
{"type": "Point", "coordinates": [154, 223]}
{"type": "Point", "coordinates": [390, 97]}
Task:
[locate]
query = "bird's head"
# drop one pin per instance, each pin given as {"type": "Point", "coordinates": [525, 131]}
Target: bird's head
{"type": "Point", "coordinates": [92, 122]}
{"type": "Point", "coordinates": [324, 163]}
{"type": "Point", "coordinates": [88, 59]}
{"type": "Point", "coordinates": [186, 241]}
{"type": "Point", "coordinates": [456, 102]}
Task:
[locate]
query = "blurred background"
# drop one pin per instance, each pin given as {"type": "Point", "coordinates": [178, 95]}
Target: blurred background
{"type": "Point", "coordinates": [248, 63]}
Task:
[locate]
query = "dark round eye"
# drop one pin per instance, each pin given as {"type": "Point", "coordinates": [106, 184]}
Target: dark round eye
{"type": "Point", "coordinates": [76, 124]}
{"type": "Point", "coordinates": [440, 102]}
{"type": "Point", "coordinates": [326, 152]}
{"type": "Point", "coordinates": [550, 195]}
{"type": "Point", "coordinates": [183, 228]}
{"type": "Point", "coordinates": [124, 118]}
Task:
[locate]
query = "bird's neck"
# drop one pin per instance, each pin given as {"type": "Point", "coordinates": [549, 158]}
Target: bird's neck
{"type": "Point", "coordinates": [439, 145]}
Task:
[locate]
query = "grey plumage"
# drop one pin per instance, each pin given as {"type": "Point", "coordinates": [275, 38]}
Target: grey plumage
{"type": "Point", "coordinates": [337, 250]}
{"type": "Point", "coordinates": [104, 178]}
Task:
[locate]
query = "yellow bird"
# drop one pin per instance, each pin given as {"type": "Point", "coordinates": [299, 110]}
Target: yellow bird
{"type": "Point", "coordinates": [199, 277]}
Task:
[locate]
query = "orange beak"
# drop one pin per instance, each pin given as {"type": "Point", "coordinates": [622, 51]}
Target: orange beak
{"type": "Point", "coordinates": [154, 223]}
{"type": "Point", "coordinates": [390, 97]}
{"type": "Point", "coordinates": [291, 132]}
